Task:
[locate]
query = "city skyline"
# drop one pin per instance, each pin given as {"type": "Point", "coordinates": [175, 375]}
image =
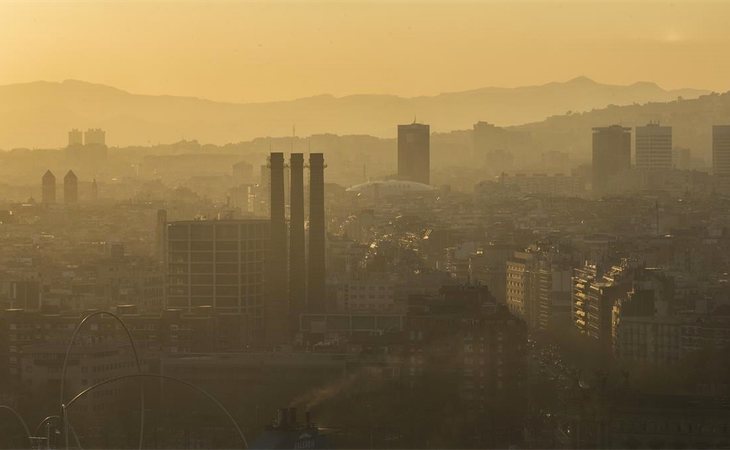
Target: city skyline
{"type": "Point", "coordinates": [222, 244]}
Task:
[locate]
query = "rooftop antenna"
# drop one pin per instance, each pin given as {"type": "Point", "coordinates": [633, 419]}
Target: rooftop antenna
{"type": "Point", "coordinates": [414, 118]}
{"type": "Point", "coordinates": [293, 136]}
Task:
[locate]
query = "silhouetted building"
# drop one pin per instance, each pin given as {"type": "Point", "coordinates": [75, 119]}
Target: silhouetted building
{"type": "Point", "coordinates": [682, 158]}
{"type": "Point", "coordinates": [297, 255]}
{"type": "Point", "coordinates": [721, 150]}
{"type": "Point", "coordinates": [654, 147]}
{"type": "Point", "coordinates": [611, 156]}
{"type": "Point", "coordinates": [277, 314]}
{"type": "Point", "coordinates": [25, 295]}
{"type": "Point", "coordinates": [414, 153]}
{"type": "Point", "coordinates": [218, 264]}
{"type": "Point", "coordinates": [48, 188]}
{"type": "Point", "coordinates": [316, 265]}
{"type": "Point", "coordinates": [465, 337]}
{"type": "Point", "coordinates": [243, 172]}
{"type": "Point", "coordinates": [70, 188]}
{"type": "Point", "coordinates": [492, 146]}
{"type": "Point", "coordinates": [95, 136]}
{"type": "Point", "coordinates": [75, 138]}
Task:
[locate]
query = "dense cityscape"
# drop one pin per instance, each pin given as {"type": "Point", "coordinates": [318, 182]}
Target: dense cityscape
{"type": "Point", "coordinates": [533, 311]}
{"type": "Point", "coordinates": [544, 266]}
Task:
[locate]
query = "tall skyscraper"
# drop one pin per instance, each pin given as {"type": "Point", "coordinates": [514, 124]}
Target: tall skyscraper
{"type": "Point", "coordinates": [721, 150]}
{"type": "Point", "coordinates": [70, 188]}
{"type": "Point", "coordinates": [316, 301]}
{"type": "Point", "coordinates": [297, 255]}
{"type": "Point", "coordinates": [654, 147]}
{"type": "Point", "coordinates": [611, 155]}
{"type": "Point", "coordinates": [414, 153]}
{"type": "Point", "coordinates": [219, 264]}
{"type": "Point", "coordinates": [48, 192]}
{"type": "Point", "coordinates": [277, 311]}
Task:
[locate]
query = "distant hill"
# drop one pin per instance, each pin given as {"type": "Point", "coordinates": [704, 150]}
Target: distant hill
{"type": "Point", "coordinates": [39, 114]}
{"type": "Point", "coordinates": [691, 121]}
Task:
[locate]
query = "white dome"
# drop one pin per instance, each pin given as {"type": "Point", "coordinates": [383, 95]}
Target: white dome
{"type": "Point", "coordinates": [391, 187]}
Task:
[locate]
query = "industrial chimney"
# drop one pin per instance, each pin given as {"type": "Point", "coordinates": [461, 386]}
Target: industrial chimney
{"type": "Point", "coordinates": [316, 264]}
{"type": "Point", "coordinates": [277, 303]}
{"type": "Point", "coordinates": [297, 256]}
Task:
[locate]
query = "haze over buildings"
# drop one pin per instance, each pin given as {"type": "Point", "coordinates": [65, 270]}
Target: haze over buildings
{"type": "Point", "coordinates": [431, 264]}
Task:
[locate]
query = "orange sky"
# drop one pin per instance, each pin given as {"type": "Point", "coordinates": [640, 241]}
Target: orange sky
{"type": "Point", "coordinates": [258, 51]}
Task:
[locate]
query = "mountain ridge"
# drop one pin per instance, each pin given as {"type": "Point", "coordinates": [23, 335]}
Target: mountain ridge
{"type": "Point", "coordinates": [39, 113]}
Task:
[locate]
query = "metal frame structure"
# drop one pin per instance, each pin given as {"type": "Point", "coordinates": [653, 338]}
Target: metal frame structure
{"type": "Point", "coordinates": [64, 406]}
{"type": "Point", "coordinates": [22, 422]}
{"type": "Point", "coordinates": [64, 417]}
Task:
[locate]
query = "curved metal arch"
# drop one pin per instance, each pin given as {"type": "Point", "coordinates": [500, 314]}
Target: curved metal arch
{"type": "Point", "coordinates": [48, 419]}
{"type": "Point", "coordinates": [22, 422]}
{"type": "Point", "coordinates": [73, 340]}
{"type": "Point", "coordinates": [43, 422]}
{"type": "Point", "coordinates": [65, 368]}
{"type": "Point", "coordinates": [208, 395]}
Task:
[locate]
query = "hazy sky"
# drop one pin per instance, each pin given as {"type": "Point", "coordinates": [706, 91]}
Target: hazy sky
{"type": "Point", "coordinates": [257, 51]}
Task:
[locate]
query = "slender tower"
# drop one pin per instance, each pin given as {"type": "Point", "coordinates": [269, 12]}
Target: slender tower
{"type": "Point", "coordinates": [70, 188]}
{"type": "Point", "coordinates": [94, 191]}
{"type": "Point", "coordinates": [316, 265]}
{"type": "Point", "coordinates": [48, 188]}
{"type": "Point", "coordinates": [277, 303]}
{"type": "Point", "coordinates": [297, 256]}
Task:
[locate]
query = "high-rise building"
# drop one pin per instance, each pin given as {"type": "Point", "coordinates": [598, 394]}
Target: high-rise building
{"type": "Point", "coordinates": [594, 293]}
{"type": "Point", "coordinates": [48, 192]}
{"type": "Point", "coordinates": [538, 287]}
{"type": "Point", "coordinates": [654, 147]}
{"type": "Point", "coordinates": [70, 188]}
{"type": "Point", "coordinates": [721, 150]}
{"type": "Point", "coordinates": [297, 255]}
{"type": "Point", "coordinates": [414, 153]}
{"type": "Point", "coordinates": [611, 156]}
{"type": "Point", "coordinates": [522, 286]}
{"type": "Point", "coordinates": [75, 138]}
{"type": "Point", "coordinates": [316, 301]}
{"type": "Point", "coordinates": [220, 265]}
